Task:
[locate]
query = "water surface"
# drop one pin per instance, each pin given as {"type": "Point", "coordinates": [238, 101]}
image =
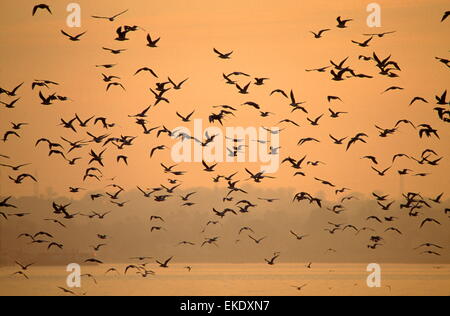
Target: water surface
{"type": "Point", "coordinates": [236, 280]}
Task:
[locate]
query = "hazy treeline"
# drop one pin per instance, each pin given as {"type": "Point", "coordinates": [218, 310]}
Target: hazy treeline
{"type": "Point", "coordinates": [129, 230]}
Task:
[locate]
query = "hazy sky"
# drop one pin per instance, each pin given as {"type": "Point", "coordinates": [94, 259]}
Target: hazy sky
{"type": "Point", "coordinates": [268, 40]}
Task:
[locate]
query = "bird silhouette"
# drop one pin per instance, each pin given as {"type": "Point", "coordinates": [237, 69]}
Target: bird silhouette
{"type": "Point", "coordinates": [342, 23]}
{"type": "Point", "coordinates": [363, 44]}
{"type": "Point", "coordinates": [152, 43]}
{"type": "Point", "coordinates": [164, 264]}
{"type": "Point", "coordinates": [112, 18]}
{"type": "Point", "coordinates": [41, 7]}
{"type": "Point", "coordinates": [298, 237]}
{"type": "Point", "coordinates": [223, 56]}
{"type": "Point", "coordinates": [320, 33]}
{"type": "Point", "coordinates": [185, 119]}
{"type": "Point", "coordinates": [271, 261]}
{"type": "Point", "coordinates": [73, 38]}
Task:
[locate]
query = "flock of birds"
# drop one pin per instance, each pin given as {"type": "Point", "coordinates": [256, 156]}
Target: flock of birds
{"type": "Point", "coordinates": [66, 148]}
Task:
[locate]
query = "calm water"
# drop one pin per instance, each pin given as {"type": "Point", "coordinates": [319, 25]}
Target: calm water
{"type": "Point", "coordinates": [236, 279]}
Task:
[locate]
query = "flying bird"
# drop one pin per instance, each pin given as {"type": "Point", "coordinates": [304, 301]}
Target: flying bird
{"type": "Point", "coordinates": [152, 43]}
{"type": "Point", "coordinates": [320, 33]}
{"type": "Point", "coordinates": [152, 152]}
{"type": "Point", "coordinates": [24, 267]}
{"type": "Point", "coordinates": [185, 119]}
{"type": "Point", "coordinates": [72, 38]}
{"type": "Point", "coordinates": [271, 261]}
{"type": "Point", "coordinates": [223, 56]}
{"type": "Point", "coordinates": [177, 86]}
{"type": "Point", "coordinates": [41, 7]}
{"type": "Point", "coordinates": [115, 84]}
{"type": "Point", "coordinates": [153, 73]}
{"type": "Point", "coordinates": [112, 18]}
{"type": "Point", "coordinates": [380, 35]}
{"type": "Point", "coordinates": [298, 237]}
{"type": "Point", "coordinates": [299, 288]}
{"type": "Point", "coordinates": [207, 167]}
{"type": "Point", "coordinates": [164, 264]}
{"type": "Point", "coordinates": [383, 172]}
{"type": "Point", "coordinates": [93, 260]}
{"type": "Point", "coordinates": [257, 241]}
{"type": "Point", "coordinates": [429, 220]}
{"type": "Point", "coordinates": [363, 44]}
{"type": "Point", "coordinates": [10, 105]}
{"type": "Point", "coordinates": [114, 52]}
{"type": "Point", "coordinates": [393, 88]}
{"type": "Point", "coordinates": [342, 24]}
{"type": "Point", "coordinates": [416, 99]}
{"type": "Point", "coordinates": [22, 177]}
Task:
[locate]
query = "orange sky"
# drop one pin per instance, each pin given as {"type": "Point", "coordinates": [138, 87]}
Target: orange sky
{"type": "Point", "coordinates": [268, 40]}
